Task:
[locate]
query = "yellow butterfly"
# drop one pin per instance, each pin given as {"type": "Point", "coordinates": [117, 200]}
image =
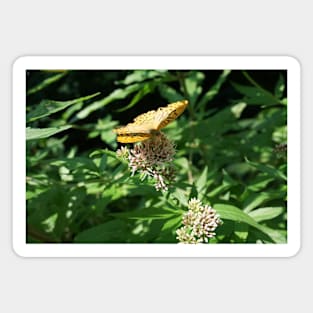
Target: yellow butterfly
{"type": "Point", "coordinates": [148, 124]}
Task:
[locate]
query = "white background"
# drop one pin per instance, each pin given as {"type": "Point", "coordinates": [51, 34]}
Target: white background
{"type": "Point", "coordinates": [156, 28]}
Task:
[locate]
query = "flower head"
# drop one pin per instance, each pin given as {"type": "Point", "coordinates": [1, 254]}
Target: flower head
{"type": "Point", "coordinates": [153, 158]}
{"type": "Point", "coordinates": [199, 223]}
{"type": "Point", "coordinates": [122, 152]}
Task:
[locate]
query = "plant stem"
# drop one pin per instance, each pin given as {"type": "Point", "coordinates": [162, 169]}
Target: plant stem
{"type": "Point", "coordinates": [34, 233]}
{"type": "Point", "coordinates": [192, 118]}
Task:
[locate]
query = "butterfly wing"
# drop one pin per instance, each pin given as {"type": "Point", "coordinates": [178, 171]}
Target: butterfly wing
{"type": "Point", "coordinates": [132, 138]}
{"type": "Point", "coordinates": [145, 124]}
{"type": "Point", "coordinates": [166, 115]}
{"type": "Point", "coordinates": [132, 133]}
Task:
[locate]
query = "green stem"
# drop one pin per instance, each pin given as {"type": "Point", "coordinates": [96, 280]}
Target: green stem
{"type": "Point", "coordinates": [36, 234]}
{"type": "Point", "coordinates": [182, 82]}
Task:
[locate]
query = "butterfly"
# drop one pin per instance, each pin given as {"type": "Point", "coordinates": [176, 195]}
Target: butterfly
{"type": "Point", "coordinates": [148, 124]}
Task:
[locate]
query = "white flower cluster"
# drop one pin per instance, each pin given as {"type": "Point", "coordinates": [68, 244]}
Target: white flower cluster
{"type": "Point", "coordinates": [152, 158]}
{"type": "Point", "coordinates": [199, 223]}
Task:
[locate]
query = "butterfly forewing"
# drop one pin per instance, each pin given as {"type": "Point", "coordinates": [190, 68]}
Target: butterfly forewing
{"type": "Point", "coordinates": [173, 110]}
{"type": "Point", "coordinates": [144, 125]}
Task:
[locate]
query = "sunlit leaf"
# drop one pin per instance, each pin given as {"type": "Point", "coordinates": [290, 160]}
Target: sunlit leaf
{"type": "Point", "coordinates": [48, 107]}
{"type": "Point", "coordinates": [268, 213]}
{"type": "Point", "coordinates": [233, 213]}
{"type": "Point", "coordinates": [280, 87]}
{"type": "Point", "coordinates": [117, 94]}
{"type": "Point", "coordinates": [39, 133]}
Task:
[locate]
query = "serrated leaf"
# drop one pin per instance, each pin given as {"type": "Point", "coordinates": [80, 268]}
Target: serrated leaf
{"type": "Point", "coordinates": [39, 133]}
{"type": "Point", "coordinates": [45, 83]}
{"type": "Point", "coordinates": [48, 107]}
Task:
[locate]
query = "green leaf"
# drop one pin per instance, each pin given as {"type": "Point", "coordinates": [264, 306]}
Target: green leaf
{"type": "Point", "coordinates": [193, 85]}
{"type": "Point", "coordinates": [226, 184]}
{"type": "Point", "coordinates": [76, 163]}
{"type": "Point", "coordinates": [214, 90]}
{"type": "Point", "coordinates": [39, 133]}
{"type": "Point", "coordinates": [172, 224]}
{"type": "Point", "coordinates": [99, 152]}
{"type": "Point", "coordinates": [273, 172]}
{"type": "Point", "coordinates": [45, 83]}
{"type": "Point", "coordinates": [255, 95]}
{"type": "Point", "coordinates": [142, 75]}
{"type": "Point", "coordinates": [169, 93]}
{"type": "Point", "coordinates": [50, 223]}
{"type": "Point", "coordinates": [233, 213]}
{"type": "Point", "coordinates": [150, 213]}
{"type": "Point", "coordinates": [146, 89]}
{"type": "Point", "coordinates": [112, 231]}
{"type": "Point", "coordinates": [238, 108]}
{"type": "Point", "coordinates": [280, 87]}
{"type": "Point", "coordinates": [241, 230]}
{"type": "Point", "coordinates": [276, 235]}
{"type": "Point", "coordinates": [48, 107]}
{"type": "Point", "coordinates": [267, 213]}
{"type": "Point", "coordinates": [211, 128]}
{"type": "Point", "coordinates": [201, 182]}
{"type": "Point", "coordinates": [254, 200]}
{"type": "Point", "coordinates": [280, 134]}
{"type": "Point", "coordinates": [117, 94]}
{"type": "Point", "coordinates": [284, 101]}
{"type": "Point", "coordinates": [260, 182]}
{"type": "Point", "coordinates": [103, 163]}
{"type": "Point", "coordinates": [180, 195]}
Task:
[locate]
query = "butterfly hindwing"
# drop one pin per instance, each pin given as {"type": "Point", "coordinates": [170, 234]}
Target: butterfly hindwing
{"type": "Point", "coordinates": [131, 138]}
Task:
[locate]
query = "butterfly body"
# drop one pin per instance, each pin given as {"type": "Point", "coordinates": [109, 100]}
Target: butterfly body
{"type": "Point", "coordinates": [148, 124]}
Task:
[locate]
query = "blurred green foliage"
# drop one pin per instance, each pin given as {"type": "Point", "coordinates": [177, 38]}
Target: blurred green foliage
{"type": "Point", "coordinates": [231, 154]}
